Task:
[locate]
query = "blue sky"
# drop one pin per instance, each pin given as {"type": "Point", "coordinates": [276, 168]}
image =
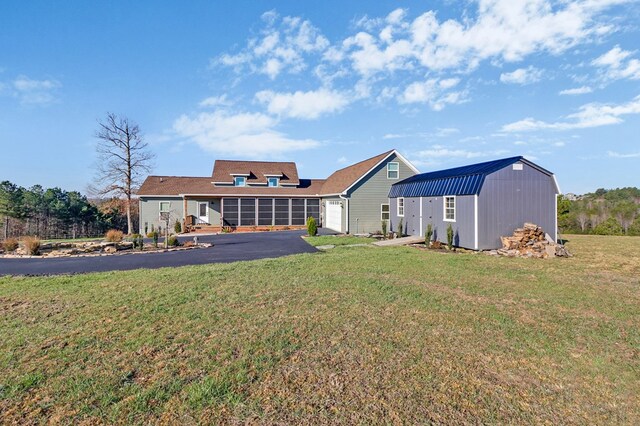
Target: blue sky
{"type": "Point", "coordinates": [324, 84]}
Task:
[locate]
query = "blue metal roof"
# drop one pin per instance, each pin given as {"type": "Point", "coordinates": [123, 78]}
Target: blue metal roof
{"type": "Point", "coordinates": [465, 180]}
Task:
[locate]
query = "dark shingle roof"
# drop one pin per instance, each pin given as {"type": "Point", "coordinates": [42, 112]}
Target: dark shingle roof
{"type": "Point", "coordinates": [223, 171]}
{"type": "Point", "coordinates": [465, 180]}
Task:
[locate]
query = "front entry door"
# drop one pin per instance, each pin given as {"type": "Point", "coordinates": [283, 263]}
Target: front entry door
{"type": "Point", "coordinates": [203, 212]}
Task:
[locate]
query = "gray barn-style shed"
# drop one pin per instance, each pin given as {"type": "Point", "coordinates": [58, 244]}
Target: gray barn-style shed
{"type": "Point", "coordinates": [482, 202]}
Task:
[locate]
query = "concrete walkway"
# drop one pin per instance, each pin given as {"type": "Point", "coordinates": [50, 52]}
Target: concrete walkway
{"type": "Point", "coordinates": [400, 241]}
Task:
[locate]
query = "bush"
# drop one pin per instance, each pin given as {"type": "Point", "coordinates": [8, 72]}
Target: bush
{"type": "Point", "coordinates": [608, 227]}
{"type": "Point", "coordinates": [155, 235]}
{"type": "Point", "coordinates": [450, 236]}
{"type": "Point", "coordinates": [172, 241]}
{"type": "Point", "coordinates": [177, 227]}
{"type": "Point", "coordinates": [400, 230]}
{"type": "Point", "coordinates": [428, 234]}
{"type": "Point", "coordinates": [31, 245]}
{"type": "Point", "coordinates": [136, 239]}
{"type": "Point", "coordinates": [114, 236]}
{"type": "Point", "coordinates": [384, 229]}
{"type": "Point", "coordinates": [312, 228]}
{"type": "Point", "coordinates": [10, 244]}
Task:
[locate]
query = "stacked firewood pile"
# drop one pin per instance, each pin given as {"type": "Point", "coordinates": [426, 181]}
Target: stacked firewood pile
{"type": "Point", "coordinates": [531, 241]}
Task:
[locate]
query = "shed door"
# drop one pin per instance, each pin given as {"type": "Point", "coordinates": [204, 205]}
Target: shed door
{"type": "Point", "coordinates": [334, 215]}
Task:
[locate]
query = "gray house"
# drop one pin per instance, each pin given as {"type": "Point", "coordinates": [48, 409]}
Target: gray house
{"type": "Point", "coordinates": [482, 202]}
{"type": "Point", "coordinates": [267, 195]}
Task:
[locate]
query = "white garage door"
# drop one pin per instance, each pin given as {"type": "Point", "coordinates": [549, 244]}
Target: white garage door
{"type": "Point", "coordinates": [334, 216]}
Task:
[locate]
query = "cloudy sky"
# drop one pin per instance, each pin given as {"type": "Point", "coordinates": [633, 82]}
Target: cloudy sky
{"type": "Point", "coordinates": [324, 84]}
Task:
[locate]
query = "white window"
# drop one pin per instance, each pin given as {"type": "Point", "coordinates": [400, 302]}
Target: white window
{"type": "Point", "coordinates": [450, 209]}
{"type": "Point", "coordinates": [273, 181]}
{"type": "Point", "coordinates": [401, 206]}
{"type": "Point", "coordinates": [165, 206]}
{"type": "Point", "coordinates": [384, 211]}
{"type": "Point", "coordinates": [239, 181]}
{"type": "Point", "coordinates": [393, 170]}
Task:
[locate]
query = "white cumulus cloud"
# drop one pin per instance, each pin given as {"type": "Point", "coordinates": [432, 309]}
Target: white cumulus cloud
{"type": "Point", "coordinates": [576, 91]}
{"type": "Point", "coordinates": [35, 92]}
{"type": "Point", "coordinates": [522, 76]}
{"type": "Point", "coordinates": [305, 105]}
{"type": "Point", "coordinates": [617, 64]}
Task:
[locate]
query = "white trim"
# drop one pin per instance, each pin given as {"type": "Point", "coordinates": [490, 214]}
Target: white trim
{"type": "Point", "coordinates": [444, 208]}
{"type": "Point", "coordinates": [160, 206]}
{"type": "Point", "coordinates": [388, 211]}
{"type": "Point", "coordinates": [240, 174]}
{"type": "Point", "coordinates": [475, 221]}
{"type": "Point", "coordinates": [272, 174]}
{"type": "Point", "coordinates": [421, 228]}
{"type": "Point", "coordinates": [398, 206]}
{"type": "Point", "coordinates": [397, 171]}
{"type": "Point", "coordinates": [277, 178]}
{"type": "Point", "coordinates": [555, 181]}
{"type": "Point", "coordinates": [380, 162]}
{"type": "Point", "coordinates": [556, 216]}
{"type": "Point", "coordinates": [244, 181]}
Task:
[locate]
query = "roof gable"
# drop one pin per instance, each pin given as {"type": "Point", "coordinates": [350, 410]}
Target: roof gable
{"type": "Point", "coordinates": [342, 180]}
{"type": "Point", "coordinates": [256, 172]}
{"type": "Point", "coordinates": [465, 180]}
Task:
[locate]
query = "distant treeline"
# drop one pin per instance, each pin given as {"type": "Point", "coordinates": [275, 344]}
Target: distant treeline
{"type": "Point", "coordinates": [604, 212]}
{"type": "Point", "coordinates": [56, 213]}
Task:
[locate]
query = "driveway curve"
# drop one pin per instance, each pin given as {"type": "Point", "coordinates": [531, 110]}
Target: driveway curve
{"type": "Point", "coordinates": [227, 248]}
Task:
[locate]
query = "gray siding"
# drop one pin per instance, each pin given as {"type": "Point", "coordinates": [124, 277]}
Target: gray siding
{"type": "Point", "coordinates": [368, 195]}
{"type": "Point", "coordinates": [150, 210]}
{"type": "Point", "coordinates": [511, 197]}
{"type": "Point", "coordinates": [433, 212]}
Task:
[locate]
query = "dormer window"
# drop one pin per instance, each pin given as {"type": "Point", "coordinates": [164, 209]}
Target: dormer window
{"type": "Point", "coordinates": [239, 181]}
{"type": "Point", "coordinates": [273, 181]}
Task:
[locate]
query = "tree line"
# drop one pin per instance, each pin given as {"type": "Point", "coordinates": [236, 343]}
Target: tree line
{"type": "Point", "coordinates": [603, 212]}
{"type": "Point", "coordinates": [56, 213]}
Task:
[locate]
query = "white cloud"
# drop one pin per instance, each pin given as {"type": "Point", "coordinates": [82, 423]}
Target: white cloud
{"type": "Point", "coordinates": [35, 92]}
{"type": "Point", "coordinates": [614, 154]}
{"type": "Point", "coordinates": [616, 64]}
{"type": "Point", "coordinates": [306, 105]}
{"type": "Point", "coordinates": [342, 160]}
{"type": "Point", "coordinates": [281, 46]}
{"type": "Point", "coordinates": [522, 76]}
{"type": "Point", "coordinates": [589, 115]}
{"type": "Point", "coordinates": [214, 101]}
{"type": "Point", "coordinates": [245, 135]}
{"type": "Point", "coordinates": [576, 91]}
{"type": "Point", "coordinates": [439, 152]}
{"type": "Point", "coordinates": [432, 92]}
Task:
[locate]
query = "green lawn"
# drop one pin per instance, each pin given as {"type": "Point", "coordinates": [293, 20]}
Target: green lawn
{"type": "Point", "coordinates": [338, 240]}
{"type": "Point", "coordinates": [352, 335]}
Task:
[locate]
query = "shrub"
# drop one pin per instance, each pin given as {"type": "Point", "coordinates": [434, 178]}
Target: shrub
{"type": "Point", "coordinates": [608, 227]}
{"type": "Point", "coordinates": [146, 228]}
{"type": "Point", "coordinates": [150, 234]}
{"type": "Point", "coordinates": [172, 241]}
{"type": "Point", "coordinates": [400, 232]}
{"type": "Point", "coordinates": [114, 236]}
{"type": "Point", "coordinates": [177, 227]}
{"type": "Point", "coordinates": [312, 228]}
{"type": "Point", "coordinates": [450, 236]}
{"type": "Point", "coordinates": [384, 229]}
{"type": "Point", "coordinates": [10, 244]}
{"type": "Point", "coordinates": [31, 245]}
{"type": "Point", "coordinates": [155, 235]}
{"type": "Point", "coordinates": [135, 239]}
{"type": "Point", "coordinates": [428, 233]}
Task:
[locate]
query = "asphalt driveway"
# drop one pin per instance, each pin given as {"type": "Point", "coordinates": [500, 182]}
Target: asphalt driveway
{"type": "Point", "coordinates": [227, 248]}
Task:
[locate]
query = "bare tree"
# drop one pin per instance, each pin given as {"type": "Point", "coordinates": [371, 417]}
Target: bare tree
{"type": "Point", "coordinates": [123, 159]}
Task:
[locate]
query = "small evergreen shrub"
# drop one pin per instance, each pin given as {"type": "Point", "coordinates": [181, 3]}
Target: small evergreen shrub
{"type": "Point", "coordinates": [172, 241]}
{"type": "Point", "coordinates": [312, 228]}
{"type": "Point", "coordinates": [428, 233]}
{"type": "Point", "coordinates": [450, 236]}
{"type": "Point", "coordinates": [135, 239]}
{"type": "Point", "coordinates": [400, 232]}
{"type": "Point", "coordinates": [152, 228]}
{"type": "Point", "coordinates": [146, 228]}
{"type": "Point", "coordinates": [31, 245]}
{"type": "Point", "coordinates": [114, 236]}
{"type": "Point", "coordinates": [384, 229]}
{"type": "Point", "coordinates": [177, 227]}
{"type": "Point", "coordinates": [155, 235]}
{"type": "Point", "coordinates": [10, 244]}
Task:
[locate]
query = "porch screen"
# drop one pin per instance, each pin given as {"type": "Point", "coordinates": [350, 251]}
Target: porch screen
{"type": "Point", "coordinates": [282, 211]}
{"type": "Point", "coordinates": [297, 211]}
{"type": "Point", "coordinates": [247, 211]}
{"type": "Point", "coordinates": [313, 209]}
{"type": "Point", "coordinates": [265, 211]}
{"type": "Point", "coordinates": [230, 211]}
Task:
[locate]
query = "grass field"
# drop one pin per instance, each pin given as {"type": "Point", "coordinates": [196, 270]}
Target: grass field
{"type": "Point", "coordinates": [352, 335]}
{"type": "Point", "coordinates": [322, 240]}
